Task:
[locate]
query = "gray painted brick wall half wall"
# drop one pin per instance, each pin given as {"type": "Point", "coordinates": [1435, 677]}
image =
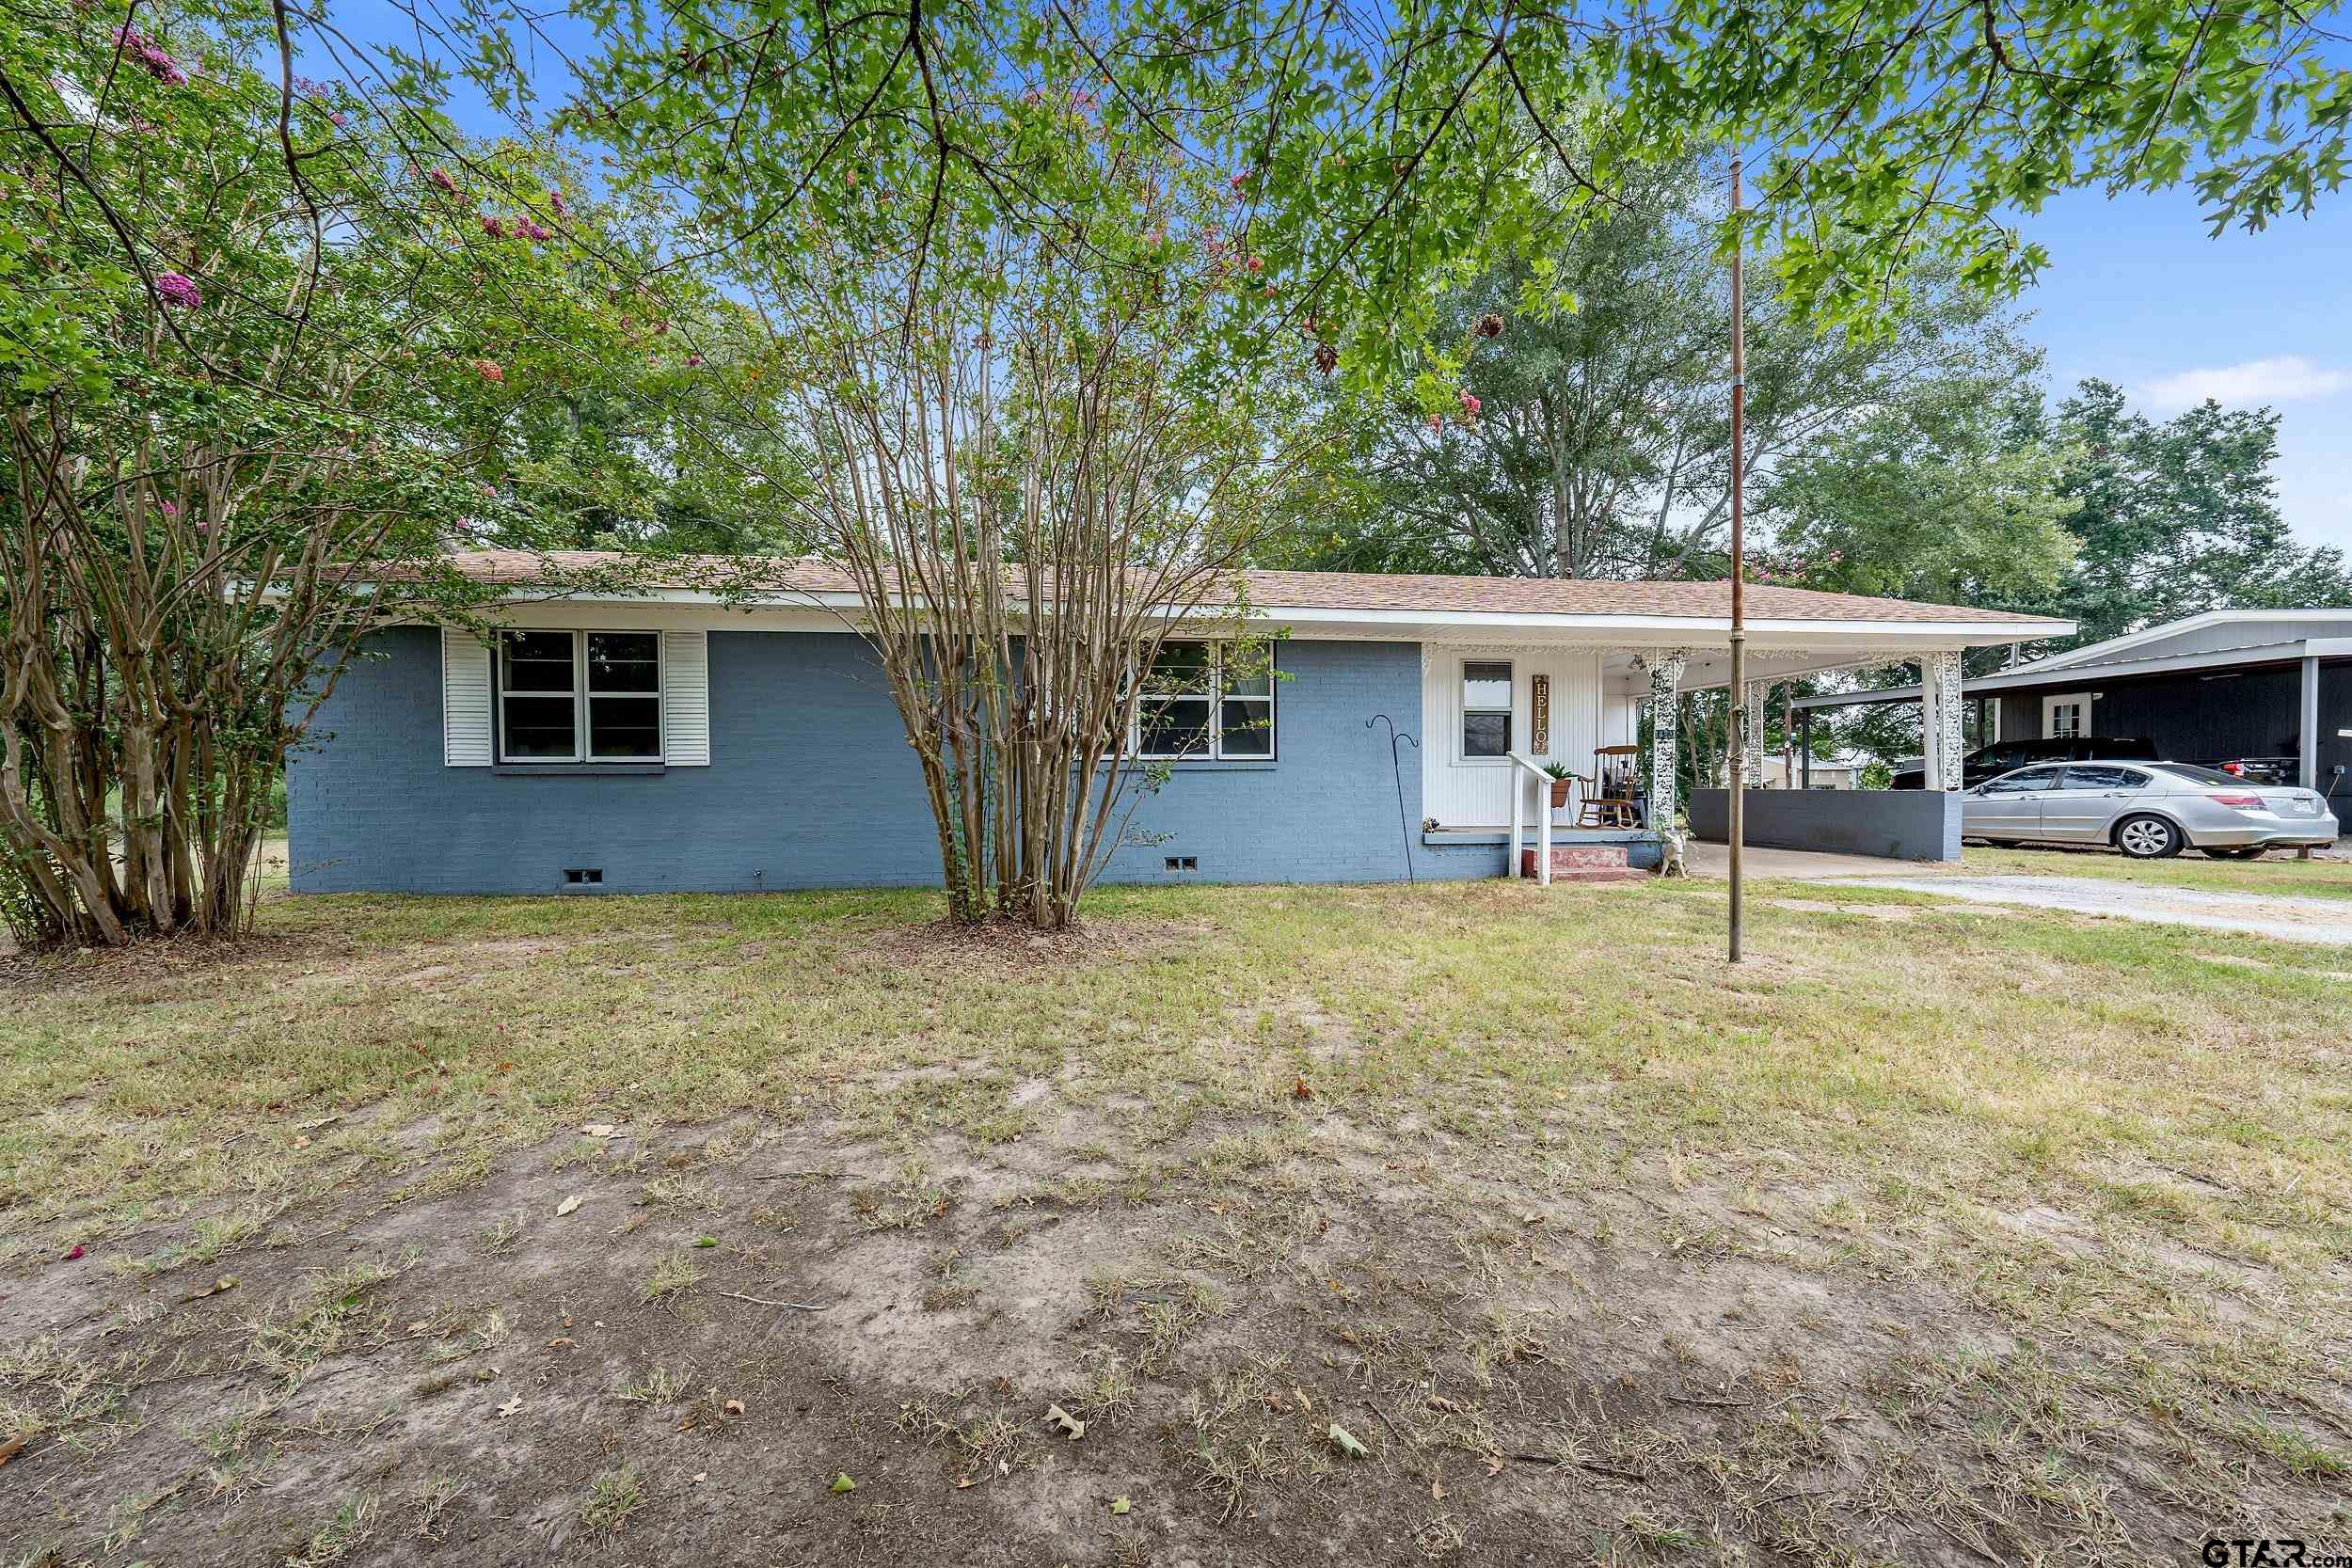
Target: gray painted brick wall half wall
{"type": "Point", "coordinates": [1898, 824]}
{"type": "Point", "coordinates": [811, 785]}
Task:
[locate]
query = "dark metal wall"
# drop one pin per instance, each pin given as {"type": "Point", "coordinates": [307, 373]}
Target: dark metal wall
{"type": "Point", "coordinates": [2204, 715]}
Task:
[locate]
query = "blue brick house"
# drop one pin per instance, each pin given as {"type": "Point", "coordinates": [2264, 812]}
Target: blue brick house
{"type": "Point", "coordinates": [671, 738]}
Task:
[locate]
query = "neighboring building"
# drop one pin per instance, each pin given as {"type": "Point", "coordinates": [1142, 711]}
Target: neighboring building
{"type": "Point", "coordinates": [660, 739]}
{"type": "Point", "coordinates": [1841, 772]}
{"type": "Point", "coordinates": [2228, 686]}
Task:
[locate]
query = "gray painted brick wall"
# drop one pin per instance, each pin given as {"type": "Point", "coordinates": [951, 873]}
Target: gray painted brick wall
{"type": "Point", "coordinates": [1899, 824]}
{"type": "Point", "coordinates": [811, 785]}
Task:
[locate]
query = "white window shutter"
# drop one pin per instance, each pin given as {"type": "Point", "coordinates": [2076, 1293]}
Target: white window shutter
{"type": "Point", "coordinates": [465, 699]}
{"type": "Point", "coordinates": [686, 697]}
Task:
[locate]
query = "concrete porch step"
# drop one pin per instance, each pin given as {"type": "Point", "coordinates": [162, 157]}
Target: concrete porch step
{"type": "Point", "coordinates": [1585, 862]}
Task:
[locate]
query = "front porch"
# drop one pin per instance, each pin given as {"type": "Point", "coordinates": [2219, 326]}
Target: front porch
{"type": "Point", "coordinates": [1500, 718]}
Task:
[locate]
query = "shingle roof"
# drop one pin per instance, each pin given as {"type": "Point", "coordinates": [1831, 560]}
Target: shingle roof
{"type": "Point", "coordinates": [1272, 592]}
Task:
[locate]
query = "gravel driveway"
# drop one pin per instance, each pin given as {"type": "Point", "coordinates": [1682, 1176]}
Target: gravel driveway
{"type": "Point", "coordinates": [2327, 920]}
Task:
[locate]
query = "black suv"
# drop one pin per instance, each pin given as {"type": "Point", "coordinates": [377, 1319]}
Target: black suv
{"type": "Point", "coordinates": [1990, 762]}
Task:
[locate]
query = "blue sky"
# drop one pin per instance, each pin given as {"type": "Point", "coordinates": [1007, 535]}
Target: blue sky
{"type": "Point", "coordinates": [2136, 295]}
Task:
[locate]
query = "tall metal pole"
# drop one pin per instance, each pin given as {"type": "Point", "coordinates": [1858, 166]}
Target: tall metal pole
{"type": "Point", "coordinates": [1739, 573]}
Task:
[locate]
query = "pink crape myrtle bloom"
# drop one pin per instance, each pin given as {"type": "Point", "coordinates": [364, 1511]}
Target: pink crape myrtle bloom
{"type": "Point", "coordinates": [489, 370]}
{"type": "Point", "coordinates": [494, 226]}
{"type": "Point", "coordinates": [178, 289]}
{"type": "Point", "coordinates": [1469, 406]}
{"type": "Point", "coordinates": [441, 178]}
{"type": "Point", "coordinates": [144, 50]}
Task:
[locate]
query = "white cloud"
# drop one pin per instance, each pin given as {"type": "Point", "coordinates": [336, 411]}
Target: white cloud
{"type": "Point", "coordinates": [2283, 379]}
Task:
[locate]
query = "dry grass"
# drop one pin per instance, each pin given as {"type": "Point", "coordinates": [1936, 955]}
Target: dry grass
{"type": "Point", "coordinates": [2076, 1133]}
{"type": "Point", "coordinates": [2277, 874]}
{"type": "Point", "coordinates": [1965, 1057]}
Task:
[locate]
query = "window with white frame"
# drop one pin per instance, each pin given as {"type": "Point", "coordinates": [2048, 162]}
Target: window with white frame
{"type": "Point", "coordinates": [579, 696]}
{"type": "Point", "coordinates": [1206, 700]}
{"type": "Point", "coordinates": [1486, 708]}
{"type": "Point", "coordinates": [2067, 715]}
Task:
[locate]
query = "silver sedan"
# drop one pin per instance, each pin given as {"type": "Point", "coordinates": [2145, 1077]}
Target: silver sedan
{"type": "Point", "coordinates": [2147, 810]}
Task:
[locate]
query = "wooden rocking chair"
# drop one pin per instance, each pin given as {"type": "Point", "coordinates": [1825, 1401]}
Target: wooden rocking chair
{"type": "Point", "coordinates": [1607, 810]}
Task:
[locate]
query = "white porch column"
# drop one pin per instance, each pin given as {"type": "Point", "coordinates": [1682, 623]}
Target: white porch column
{"type": "Point", "coordinates": [1940, 702]}
{"type": "Point", "coordinates": [1752, 734]}
{"type": "Point", "coordinates": [2306, 726]}
{"type": "Point", "coordinates": [1665, 679]}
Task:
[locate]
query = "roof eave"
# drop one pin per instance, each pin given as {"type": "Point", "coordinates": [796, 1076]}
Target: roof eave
{"type": "Point", "coordinates": [1660, 630]}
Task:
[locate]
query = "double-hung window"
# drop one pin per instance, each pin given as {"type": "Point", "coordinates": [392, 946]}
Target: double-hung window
{"type": "Point", "coordinates": [1202, 700]}
{"type": "Point", "coordinates": [1485, 708]}
{"type": "Point", "coordinates": [579, 696]}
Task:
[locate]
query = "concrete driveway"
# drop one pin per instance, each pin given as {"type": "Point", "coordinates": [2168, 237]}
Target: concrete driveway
{"type": "Point", "coordinates": [2321, 920]}
{"type": "Point", "coordinates": [1803, 865]}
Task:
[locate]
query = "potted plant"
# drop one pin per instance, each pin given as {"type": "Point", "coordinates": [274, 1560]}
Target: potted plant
{"type": "Point", "coordinates": [1561, 778]}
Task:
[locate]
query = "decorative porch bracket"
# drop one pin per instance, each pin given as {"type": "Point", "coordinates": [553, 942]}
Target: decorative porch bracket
{"type": "Point", "coordinates": [1665, 667]}
{"type": "Point", "coordinates": [1941, 700]}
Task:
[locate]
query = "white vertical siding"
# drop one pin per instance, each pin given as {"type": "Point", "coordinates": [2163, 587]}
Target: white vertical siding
{"type": "Point", "coordinates": [686, 697]}
{"type": "Point", "coordinates": [1575, 707]}
{"type": "Point", "coordinates": [465, 699]}
{"type": "Point", "coordinates": [1478, 794]}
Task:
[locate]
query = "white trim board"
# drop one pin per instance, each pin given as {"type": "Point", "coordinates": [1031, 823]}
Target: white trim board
{"type": "Point", "coordinates": [835, 613]}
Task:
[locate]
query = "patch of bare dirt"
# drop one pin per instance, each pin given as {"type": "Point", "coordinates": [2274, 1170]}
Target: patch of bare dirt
{"type": "Point", "coordinates": [1894, 912]}
{"type": "Point", "coordinates": [140, 964]}
{"type": "Point", "coordinates": [1296, 1341]}
{"type": "Point", "coordinates": [997, 946]}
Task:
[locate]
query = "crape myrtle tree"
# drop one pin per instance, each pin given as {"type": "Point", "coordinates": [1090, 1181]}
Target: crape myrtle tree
{"type": "Point", "coordinates": [1038, 453]}
{"type": "Point", "coordinates": [1386, 153]}
{"type": "Point", "coordinates": [269, 351]}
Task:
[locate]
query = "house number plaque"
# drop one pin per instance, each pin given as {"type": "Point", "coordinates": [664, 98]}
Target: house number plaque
{"type": "Point", "coordinates": [1542, 698]}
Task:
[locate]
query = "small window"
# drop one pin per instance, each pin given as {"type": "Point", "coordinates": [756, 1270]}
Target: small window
{"type": "Point", "coordinates": [2066, 716]}
{"type": "Point", "coordinates": [1203, 700]}
{"type": "Point", "coordinates": [579, 696]}
{"type": "Point", "coordinates": [1485, 708]}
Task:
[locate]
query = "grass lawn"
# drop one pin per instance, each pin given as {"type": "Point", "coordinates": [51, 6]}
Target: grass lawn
{"type": "Point", "coordinates": [1471, 1223]}
{"type": "Point", "coordinates": [2277, 874]}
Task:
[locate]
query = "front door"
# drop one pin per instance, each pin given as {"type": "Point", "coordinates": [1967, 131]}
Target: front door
{"type": "Point", "coordinates": [2009, 807]}
{"type": "Point", "coordinates": [1479, 704]}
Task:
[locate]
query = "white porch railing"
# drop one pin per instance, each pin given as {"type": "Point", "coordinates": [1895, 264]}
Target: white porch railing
{"type": "Point", "coordinates": [1527, 776]}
